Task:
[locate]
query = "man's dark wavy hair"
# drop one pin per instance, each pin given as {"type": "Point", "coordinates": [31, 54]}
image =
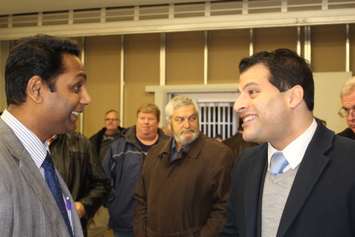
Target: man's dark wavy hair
{"type": "Point", "coordinates": [40, 55]}
{"type": "Point", "coordinates": [287, 69]}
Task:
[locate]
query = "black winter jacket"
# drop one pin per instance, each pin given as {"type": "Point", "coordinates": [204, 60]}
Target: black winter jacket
{"type": "Point", "coordinates": [77, 162]}
{"type": "Point", "coordinates": [96, 139]}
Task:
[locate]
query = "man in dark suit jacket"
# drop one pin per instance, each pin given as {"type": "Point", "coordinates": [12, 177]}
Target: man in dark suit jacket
{"type": "Point", "coordinates": [313, 192]}
{"type": "Point", "coordinates": [46, 91]}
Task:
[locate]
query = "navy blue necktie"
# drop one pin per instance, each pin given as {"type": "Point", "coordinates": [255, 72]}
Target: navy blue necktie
{"type": "Point", "coordinates": [53, 184]}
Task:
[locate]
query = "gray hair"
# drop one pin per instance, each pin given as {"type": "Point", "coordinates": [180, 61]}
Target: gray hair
{"type": "Point", "coordinates": [177, 102]}
{"type": "Point", "coordinates": [348, 87]}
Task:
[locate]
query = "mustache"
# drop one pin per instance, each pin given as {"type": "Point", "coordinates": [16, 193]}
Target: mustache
{"type": "Point", "coordinates": [188, 130]}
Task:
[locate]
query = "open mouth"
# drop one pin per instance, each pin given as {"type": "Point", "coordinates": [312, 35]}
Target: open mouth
{"type": "Point", "coordinates": [75, 114]}
{"type": "Point", "coordinates": [248, 118]}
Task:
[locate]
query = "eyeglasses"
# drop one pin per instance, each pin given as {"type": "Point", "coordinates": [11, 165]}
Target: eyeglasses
{"type": "Point", "coordinates": [191, 119]}
{"type": "Point", "coordinates": [344, 112]}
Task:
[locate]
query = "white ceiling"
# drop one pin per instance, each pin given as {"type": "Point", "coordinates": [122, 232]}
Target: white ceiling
{"type": "Point", "coordinates": [27, 6]}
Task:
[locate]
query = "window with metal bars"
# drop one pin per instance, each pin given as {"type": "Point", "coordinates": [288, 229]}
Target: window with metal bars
{"type": "Point", "coordinates": [217, 119]}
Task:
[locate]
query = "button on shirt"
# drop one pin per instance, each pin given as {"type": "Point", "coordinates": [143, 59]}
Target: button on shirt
{"type": "Point", "coordinates": [295, 151]}
{"type": "Point", "coordinates": [33, 145]}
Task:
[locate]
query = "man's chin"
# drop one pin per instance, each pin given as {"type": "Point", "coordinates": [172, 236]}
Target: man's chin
{"type": "Point", "coordinates": [188, 139]}
{"type": "Point", "coordinates": [70, 127]}
{"type": "Point", "coordinates": [249, 137]}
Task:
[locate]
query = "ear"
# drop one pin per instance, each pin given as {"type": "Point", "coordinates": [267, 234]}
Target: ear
{"type": "Point", "coordinates": [34, 89]}
{"type": "Point", "coordinates": [168, 126]}
{"type": "Point", "coordinates": [295, 96]}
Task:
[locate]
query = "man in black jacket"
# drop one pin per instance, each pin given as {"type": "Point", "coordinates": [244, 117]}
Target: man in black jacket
{"type": "Point", "coordinates": [78, 164]}
{"type": "Point", "coordinates": [347, 110]}
{"type": "Point", "coordinates": [103, 138]}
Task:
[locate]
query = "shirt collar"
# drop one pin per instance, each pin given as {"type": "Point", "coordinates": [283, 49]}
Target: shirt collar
{"type": "Point", "coordinates": [175, 154]}
{"type": "Point", "coordinates": [295, 151]}
{"type": "Point", "coordinates": [29, 140]}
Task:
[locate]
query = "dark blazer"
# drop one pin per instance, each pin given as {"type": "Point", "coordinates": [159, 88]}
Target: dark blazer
{"type": "Point", "coordinates": [321, 201]}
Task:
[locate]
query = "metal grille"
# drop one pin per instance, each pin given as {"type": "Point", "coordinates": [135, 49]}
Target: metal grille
{"type": "Point", "coordinates": [218, 119]}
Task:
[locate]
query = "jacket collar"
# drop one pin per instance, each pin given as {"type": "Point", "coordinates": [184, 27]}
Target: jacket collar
{"type": "Point", "coordinates": [130, 136]}
{"type": "Point", "coordinates": [312, 166]}
{"type": "Point", "coordinates": [194, 150]}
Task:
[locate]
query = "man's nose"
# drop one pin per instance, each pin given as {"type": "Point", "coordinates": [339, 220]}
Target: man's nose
{"type": "Point", "coordinates": [186, 123]}
{"type": "Point", "coordinates": [85, 97]}
{"type": "Point", "coordinates": [240, 103]}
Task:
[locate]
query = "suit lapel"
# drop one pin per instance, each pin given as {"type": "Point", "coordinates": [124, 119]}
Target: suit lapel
{"type": "Point", "coordinates": [32, 175]}
{"type": "Point", "coordinates": [253, 192]}
{"type": "Point", "coordinates": [27, 167]}
{"type": "Point", "coordinates": [77, 230]}
{"type": "Point", "coordinates": [311, 168]}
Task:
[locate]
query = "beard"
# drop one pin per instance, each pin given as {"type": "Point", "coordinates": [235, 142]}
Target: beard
{"type": "Point", "coordinates": [184, 139]}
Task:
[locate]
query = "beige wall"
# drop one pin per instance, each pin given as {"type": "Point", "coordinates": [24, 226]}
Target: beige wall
{"type": "Point", "coordinates": [352, 48]}
{"type": "Point", "coordinates": [269, 39]}
{"type": "Point", "coordinates": [102, 56]}
{"type": "Point", "coordinates": [141, 69]}
{"type": "Point", "coordinates": [328, 48]}
{"type": "Point", "coordinates": [184, 58]}
{"type": "Point", "coordinates": [225, 49]}
{"type": "Point", "coordinates": [327, 100]}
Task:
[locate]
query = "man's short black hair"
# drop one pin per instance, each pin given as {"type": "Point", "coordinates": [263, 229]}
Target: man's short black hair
{"type": "Point", "coordinates": [40, 55]}
{"type": "Point", "coordinates": [287, 69]}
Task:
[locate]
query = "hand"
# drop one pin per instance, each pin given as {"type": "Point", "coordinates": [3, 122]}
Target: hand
{"type": "Point", "coordinates": [80, 209]}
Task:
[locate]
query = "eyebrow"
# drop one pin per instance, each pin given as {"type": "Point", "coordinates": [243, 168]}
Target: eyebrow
{"type": "Point", "coordinates": [82, 75]}
{"type": "Point", "coordinates": [249, 84]}
{"type": "Point", "coordinates": [195, 113]}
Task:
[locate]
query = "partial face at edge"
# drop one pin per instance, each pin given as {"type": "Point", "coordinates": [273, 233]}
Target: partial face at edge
{"type": "Point", "coordinates": [348, 102]}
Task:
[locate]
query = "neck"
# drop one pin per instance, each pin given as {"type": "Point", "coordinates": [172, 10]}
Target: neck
{"type": "Point", "coordinates": [147, 140]}
{"type": "Point", "coordinates": [110, 132]}
{"type": "Point", "coordinates": [28, 118]}
{"type": "Point", "coordinates": [299, 124]}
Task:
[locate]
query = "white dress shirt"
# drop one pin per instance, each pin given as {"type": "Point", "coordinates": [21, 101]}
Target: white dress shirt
{"type": "Point", "coordinates": [295, 151]}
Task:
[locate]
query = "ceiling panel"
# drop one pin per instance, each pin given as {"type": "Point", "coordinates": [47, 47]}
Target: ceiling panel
{"type": "Point", "coordinates": [26, 6]}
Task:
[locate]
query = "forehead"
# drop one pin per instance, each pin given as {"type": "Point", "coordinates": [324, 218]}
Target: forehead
{"type": "Point", "coordinates": [111, 114]}
{"type": "Point", "coordinates": [185, 110]}
{"type": "Point", "coordinates": [146, 115]}
{"type": "Point", "coordinates": [72, 63]}
{"type": "Point", "coordinates": [255, 75]}
{"type": "Point", "coordinates": [349, 98]}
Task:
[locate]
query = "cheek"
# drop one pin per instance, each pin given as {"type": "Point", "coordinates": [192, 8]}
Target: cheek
{"type": "Point", "coordinates": [175, 129]}
{"type": "Point", "coordinates": [195, 126]}
{"type": "Point", "coordinates": [271, 110]}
